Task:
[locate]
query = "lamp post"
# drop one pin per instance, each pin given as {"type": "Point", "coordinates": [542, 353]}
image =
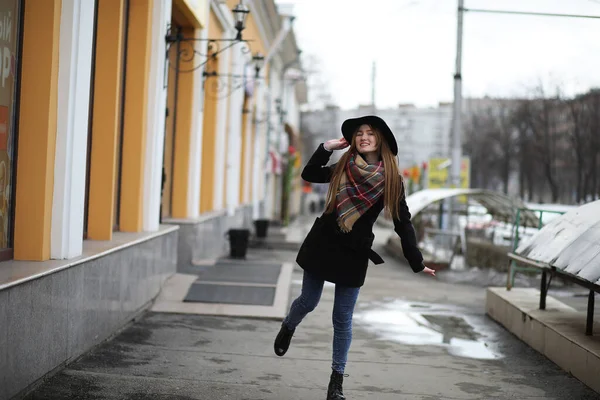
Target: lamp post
{"type": "Point", "coordinates": [456, 155]}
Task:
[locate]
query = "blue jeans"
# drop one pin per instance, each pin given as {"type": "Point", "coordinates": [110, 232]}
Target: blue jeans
{"type": "Point", "coordinates": [343, 308]}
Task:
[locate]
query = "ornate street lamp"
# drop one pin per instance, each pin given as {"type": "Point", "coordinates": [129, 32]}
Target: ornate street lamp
{"type": "Point", "coordinates": [259, 62]}
{"type": "Point", "coordinates": [189, 59]}
{"type": "Point", "coordinates": [222, 85]}
{"type": "Point", "coordinates": [187, 52]}
{"type": "Point", "coordinates": [240, 13]}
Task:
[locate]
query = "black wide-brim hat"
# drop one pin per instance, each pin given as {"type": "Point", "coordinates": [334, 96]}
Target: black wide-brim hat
{"type": "Point", "coordinates": [350, 126]}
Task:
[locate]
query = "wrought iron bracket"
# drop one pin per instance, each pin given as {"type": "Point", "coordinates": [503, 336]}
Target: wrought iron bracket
{"type": "Point", "coordinates": [187, 53]}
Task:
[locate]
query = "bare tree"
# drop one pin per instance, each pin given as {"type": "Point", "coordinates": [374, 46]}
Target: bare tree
{"type": "Point", "coordinates": [579, 140]}
{"type": "Point", "coordinates": [477, 147]}
{"type": "Point", "coordinates": [592, 101]}
{"type": "Point", "coordinates": [491, 144]}
{"type": "Point", "coordinates": [525, 144]}
{"type": "Point", "coordinates": [552, 142]}
{"type": "Point", "coordinates": [507, 143]}
{"type": "Point", "coordinates": [543, 122]}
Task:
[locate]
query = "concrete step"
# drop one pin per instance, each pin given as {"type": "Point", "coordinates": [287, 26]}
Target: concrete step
{"type": "Point", "coordinates": [557, 332]}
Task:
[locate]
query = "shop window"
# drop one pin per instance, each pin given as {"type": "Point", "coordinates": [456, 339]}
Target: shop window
{"type": "Point", "coordinates": [170, 128]}
{"type": "Point", "coordinates": [10, 41]}
{"type": "Point", "coordinates": [90, 119]}
{"type": "Point", "coordinates": [117, 196]}
{"type": "Point", "coordinates": [117, 191]}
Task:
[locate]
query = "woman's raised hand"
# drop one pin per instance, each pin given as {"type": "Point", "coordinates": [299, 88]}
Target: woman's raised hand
{"type": "Point", "coordinates": [429, 271]}
{"type": "Point", "coordinates": [336, 144]}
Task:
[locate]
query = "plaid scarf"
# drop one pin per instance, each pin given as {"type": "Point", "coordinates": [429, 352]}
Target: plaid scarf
{"type": "Point", "coordinates": [360, 187]}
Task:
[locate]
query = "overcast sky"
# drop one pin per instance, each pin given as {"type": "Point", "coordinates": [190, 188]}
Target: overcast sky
{"type": "Point", "coordinates": [413, 43]}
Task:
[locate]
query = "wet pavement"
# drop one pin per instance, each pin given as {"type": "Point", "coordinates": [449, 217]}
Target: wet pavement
{"type": "Point", "coordinates": [423, 324]}
{"type": "Point", "coordinates": [415, 337]}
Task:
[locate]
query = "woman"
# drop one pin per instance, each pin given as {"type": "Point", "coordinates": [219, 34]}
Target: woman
{"type": "Point", "coordinates": [337, 249]}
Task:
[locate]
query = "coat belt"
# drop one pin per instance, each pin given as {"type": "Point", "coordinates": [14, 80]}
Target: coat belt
{"type": "Point", "coordinates": [372, 255]}
{"type": "Point", "coordinates": [376, 258]}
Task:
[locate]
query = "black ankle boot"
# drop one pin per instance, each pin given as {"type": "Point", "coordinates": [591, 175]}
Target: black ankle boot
{"type": "Point", "coordinates": [334, 392]}
{"type": "Point", "coordinates": [283, 339]}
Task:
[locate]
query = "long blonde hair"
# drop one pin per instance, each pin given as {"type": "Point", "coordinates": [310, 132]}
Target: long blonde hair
{"type": "Point", "coordinates": [393, 183]}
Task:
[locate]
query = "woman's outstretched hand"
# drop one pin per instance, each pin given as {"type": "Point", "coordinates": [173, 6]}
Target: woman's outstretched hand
{"type": "Point", "coordinates": [429, 271]}
{"type": "Point", "coordinates": [336, 144]}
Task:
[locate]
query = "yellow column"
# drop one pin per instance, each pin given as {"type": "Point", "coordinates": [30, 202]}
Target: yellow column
{"type": "Point", "coordinates": [209, 126]}
{"type": "Point", "coordinates": [37, 130]}
{"type": "Point", "coordinates": [135, 118]}
{"type": "Point", "coordinates": [208, 145]}
{"type": "Point", "coordinates": [186, 112]}
{"type": "Point", "coordinates": [106, 119]}
{"type": "Point", "coordinates": [168, 152]}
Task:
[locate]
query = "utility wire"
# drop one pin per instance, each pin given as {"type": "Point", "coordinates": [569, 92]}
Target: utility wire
{"type": "Point", "coordinates": [477, 10]}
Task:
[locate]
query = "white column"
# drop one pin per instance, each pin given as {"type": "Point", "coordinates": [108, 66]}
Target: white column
{"type": "Point", "coordinates": [157, 105]}
{"type": "Point", "coordinates": [234, 141]}
{"type": "Point", "coordinates": [248, 162]}
{"type": "Point", "coordinates": [221, 128]}
{"type": "Point", "coordinates": [195, 166]}
{"type": "Point", "coordinates": [74, 70]}
{"type": "Point", "coordinates": [270, 178]}
{"type": "Point", "coordinates": [258, 169]}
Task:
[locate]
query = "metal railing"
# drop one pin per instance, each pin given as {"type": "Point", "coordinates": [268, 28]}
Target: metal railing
{"type": "Point", "coordinates": [513, 267]}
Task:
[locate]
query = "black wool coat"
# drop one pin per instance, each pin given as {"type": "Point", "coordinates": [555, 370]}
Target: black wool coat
{"type": "Point", "coordinates": [343, 258]}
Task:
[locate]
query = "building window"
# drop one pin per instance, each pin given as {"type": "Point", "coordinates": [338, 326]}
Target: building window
{"type": "Point", "coordinates": [117, 195]}
{"type": "Point", "coordinates": [10, 11]}
{"type": "Point", "coordinates": [90, 119]}
{"type": "Point", "coordinates": [166, 209]}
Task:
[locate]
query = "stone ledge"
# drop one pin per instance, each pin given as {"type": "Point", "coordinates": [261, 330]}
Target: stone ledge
{"type": "Point", "coordinates": [14, 272]}
{"type": "Point", "coordinates": [557, 332]}
{"type": "Point", "coordinates": [198, 220]}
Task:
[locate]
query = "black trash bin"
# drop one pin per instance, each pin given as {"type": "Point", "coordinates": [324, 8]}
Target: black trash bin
{"type": "Point", "coordinates": [261, 226]}
{"type": "Point", "coordinates": [238, 242]}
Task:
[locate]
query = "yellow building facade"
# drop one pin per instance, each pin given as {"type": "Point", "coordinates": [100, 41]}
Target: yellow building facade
{"type": "Point", "coordinates": [126, 150]}
{"type": "Point", "coordinates": [121, 122]}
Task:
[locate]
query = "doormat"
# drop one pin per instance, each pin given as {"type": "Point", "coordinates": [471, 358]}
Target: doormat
{"type": "Point", "coordinates": [231, 294]}
{"type": "Point", "coordinates": [241, 273]}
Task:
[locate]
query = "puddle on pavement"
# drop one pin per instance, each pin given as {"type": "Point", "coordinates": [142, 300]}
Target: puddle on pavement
{"type": "Point", "coordinates": [425, 324]}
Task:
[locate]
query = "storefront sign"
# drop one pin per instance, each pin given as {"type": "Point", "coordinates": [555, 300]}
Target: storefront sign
{"type": "Point", "coordinates": [438, 170]}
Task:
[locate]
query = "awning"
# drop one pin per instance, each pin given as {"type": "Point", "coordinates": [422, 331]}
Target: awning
{"type": "Point", "coordinates": [500, 206]}
{"type": "Point", "coordinates": [570, 243]}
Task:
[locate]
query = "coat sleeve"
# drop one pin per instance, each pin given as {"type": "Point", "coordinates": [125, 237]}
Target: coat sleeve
{"type": "Point", "coordinates": [316, 170]}
{"type": "Point", "coordinates": [406, 231]}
